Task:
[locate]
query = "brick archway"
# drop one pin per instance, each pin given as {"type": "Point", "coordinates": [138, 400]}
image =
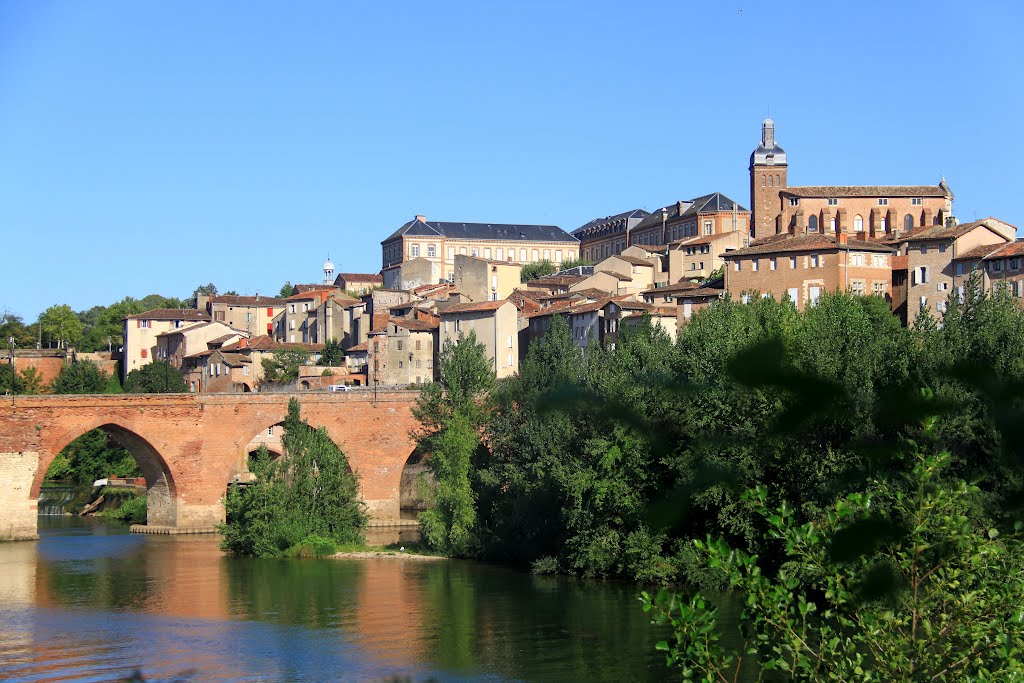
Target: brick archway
{"type": "Point", "coordinates": [192, 446]}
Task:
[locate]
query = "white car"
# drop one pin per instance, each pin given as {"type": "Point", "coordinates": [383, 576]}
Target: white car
{"type": "Point", "coordinates": [339, 387]}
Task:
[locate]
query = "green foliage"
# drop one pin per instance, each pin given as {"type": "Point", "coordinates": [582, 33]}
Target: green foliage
{"type": "Point", "coordinates": [287, 289]}
{"type": "Point", "coordinates": [131, 510]}
{"type": "Point", "coordinates": [313, 546]}
{"type": "Point", "coordinates": [209, 289]}
{"type": "Point", "coordinates": [11, 382]}
{"type": "Point", "coordinates": [900, 583]}
{"type": "Point", "coordinates": [158, 377]}
{"type": "Point", "coordinates": [83, 377]}
{"type": "Point", "coordinates": [449, 522]}
{"type": "Point", "coordinates": [32, 380]}
{"type": "Point", "coordinates": [61, 327]}
{"type": "Point", "coordinates": [310, 492]}
{"type": "Point", "coordinates": [332, 354]}
{"type": "Point", "coordinates": [572, 263]}
{"type": "Point", "coordinates": [11, 325]}
{"type": "Point", "coordinates": [453, 411]}
{"type": "Point", "coordinates": [283, 365]}
{"type": "Point", "coordinates": [532, 271]}
{"type": "Point", "coordinates": [90, 457]}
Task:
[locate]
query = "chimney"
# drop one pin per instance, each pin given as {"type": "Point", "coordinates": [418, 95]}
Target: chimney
{"type": "Point", "coordinates": [843, 237]}
{"type": "Point", "coordinates": [243, 343]}
{"type": "Point", "coordinates": [421, 219]}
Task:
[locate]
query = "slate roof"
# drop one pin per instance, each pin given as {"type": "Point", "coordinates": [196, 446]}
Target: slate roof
{"type": "Point", "coordinates": [503, 232]}
{"type": "Point", "coordinates": [867, 191]}
{"type": "Point", "coordinates": [817, 242]}
{"type": "Point", "coordinates": [708, 203]}
{"type": "Point", "coordinates": [171, 314]}
{"type": "Point", "coordinates": [615, 224]}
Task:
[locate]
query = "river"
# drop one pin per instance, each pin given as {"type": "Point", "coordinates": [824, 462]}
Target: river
{"type": "Point", "coordinates": [91, 602]}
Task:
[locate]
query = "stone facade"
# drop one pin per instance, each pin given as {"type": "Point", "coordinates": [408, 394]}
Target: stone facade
{"type": "Point", "coordinates": [496, 326]}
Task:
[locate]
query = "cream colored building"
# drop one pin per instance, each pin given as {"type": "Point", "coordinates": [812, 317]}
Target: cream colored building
{"type": "Point", "coordinates": [141, 331]}
{"type": "Point", "coordinates": [696, 258]}
{"type": "Point", "coordinates": [251, 314]}
{"type": "Point", "coordinates": [440, 242]}
{"type": "Point", "coordinates": [496, 326]}
{"type": "Point", "coordinates": [172, 346]}
{"type": "Point", "coordinates": [481, 280]}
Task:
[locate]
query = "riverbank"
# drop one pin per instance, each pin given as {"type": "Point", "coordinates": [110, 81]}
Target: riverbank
{"type": "Point", "coordinates": [393, 554]}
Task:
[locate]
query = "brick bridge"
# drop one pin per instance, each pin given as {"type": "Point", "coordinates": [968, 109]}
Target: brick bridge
{"type": "Point", "coordinates": [190, 446]}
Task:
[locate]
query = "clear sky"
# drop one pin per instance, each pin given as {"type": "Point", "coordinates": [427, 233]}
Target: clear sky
{"type": "Point", "coordinates": [149, 147]}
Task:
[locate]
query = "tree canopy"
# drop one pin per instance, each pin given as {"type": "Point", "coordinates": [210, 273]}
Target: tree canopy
{"type": "Point", "coordinates": [158, 377]}
{"type": "Point", "coordinates": [82, 377]}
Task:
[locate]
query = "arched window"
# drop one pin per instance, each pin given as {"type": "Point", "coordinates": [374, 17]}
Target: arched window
{"type": "Point", "coordinates": [832, 224]}
{"type": "Point", "coordinates": [778, 181]}
{"type": "Point", "coordinates": [812, 223]}
{"type": "Point", "coordinates": [770, 184]}
{"type": "Point", "coordinates": [764, 181]}
{"type": "Point", "coordinates": [858, 223]}
{"type": "Point", "coordinates": [884, 224]}
{"type": "Point", "coordinates": [908, 222]}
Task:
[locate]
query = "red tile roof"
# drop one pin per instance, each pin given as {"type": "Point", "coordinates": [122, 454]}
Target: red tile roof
{"type": "Point", "coordinates": [360, 277]}
{"type": "Point", "coordinates": [945, 232]}
{"type": "Point", "coordinates": [415, 325]}
{"type": "Point", "coordinates": [265, 343]}
{"type": "Point", "coordinates": [865, 191]}
{"type": "Point", "coordinates": [814, 242]}
{"type": "Point", "coordinates": [471, 307]}
{"type": "Point", "coordinates": [671, 289]}
{"type": "Point", "coordinates": [365, 346]}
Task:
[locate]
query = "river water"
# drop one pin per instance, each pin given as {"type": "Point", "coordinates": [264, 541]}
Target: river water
{"type": "Point", "coordinates": [91, 602]}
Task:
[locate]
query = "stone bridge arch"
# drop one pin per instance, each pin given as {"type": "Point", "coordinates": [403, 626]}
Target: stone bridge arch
{"type": "Point", "coordinates": [161, 494]}
{"type": "Point", "coordinates": [192, 446]}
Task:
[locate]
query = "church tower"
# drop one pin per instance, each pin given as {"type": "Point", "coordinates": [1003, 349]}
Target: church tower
{"type": "Point", "coordinates": [767, 177]}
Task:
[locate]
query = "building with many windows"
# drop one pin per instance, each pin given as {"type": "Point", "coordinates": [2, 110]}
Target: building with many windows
{"type": "Point", "coordinates": [437, 244]}
{"type": "Point", "coordinates": [141, 331]}
{"type": "Point", "coordinates": [710, 214]}
{"type": "Point", "coordinates": [604, 237]}
{"type": "Point", "coordinates": [872, 212]}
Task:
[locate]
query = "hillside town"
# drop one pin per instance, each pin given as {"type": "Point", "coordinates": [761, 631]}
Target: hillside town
{"type": "Point", "coordinates": [441, 280]}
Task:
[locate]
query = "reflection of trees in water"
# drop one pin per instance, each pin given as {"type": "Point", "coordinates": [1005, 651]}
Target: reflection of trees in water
{"type": "Point", "coordinates": [536, 628]}
{"type": "Point", "coordinates": [104, 582]}
{"type": "Point", "coordinates": [316, 593]}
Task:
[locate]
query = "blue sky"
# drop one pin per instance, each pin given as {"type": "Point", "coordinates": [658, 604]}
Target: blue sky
{"type": "Point", "coordinates": [149, 147]}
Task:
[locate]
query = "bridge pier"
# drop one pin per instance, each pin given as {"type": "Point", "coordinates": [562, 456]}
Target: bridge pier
{"type": "Point", "coordinates": [18, 509]}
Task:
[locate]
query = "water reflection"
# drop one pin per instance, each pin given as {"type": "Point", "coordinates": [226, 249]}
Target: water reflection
{"type": "Point", "coordinates": [93, 603]}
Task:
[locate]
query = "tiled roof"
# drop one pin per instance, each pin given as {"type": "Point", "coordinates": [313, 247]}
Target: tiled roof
{"type": "Point", "coordinates": [700, 293]}
{"type": "Point", "coordinates": [865, 191]}
{"type": "Point", "coordinates": [471, 307]}
{"type": "Point", "coordinates": [223, 339]}
{"type": "Point", "coordinates": [232, 300]}
{"type": "Point", "coordinates": [318, 293]}
{"type": "Point", "coordinates": [365, 346]}
{"type": "Point", "coordinates": [183, 330]}
{"type": "Point", "coordinates": [502, 232]}
{"type": "Point", "coordinates": [359, 277]}
{"type": "Point", "coordinates": [633, 260]}
{"type": "Point", "coordinates": [671, 289]}
{"type": "Point", "coordinates": [1011, 249]}
{"type": "Point", "coordinates": [235, 360]}
{"type": "Point", "coordinates": [265, 343]}
{"type": "Point", "coordinates": [556, 280]}
{"type": "Point", "coordinates": [702, 239]}
{"type": "Point", "coordinates": [379, 322]}
{"type": "Point", "coordinates": [560, 307]}
{"type": "Point", "coordinates": [170, 314]}
{"type": "Point", "coordinates": [816, 242]}
{"type": "Point", "coordinates": [616, 223]}
{"type": "Point", "coordinates": [899, 262]}
{"type": "Point", "coordinates": [945, 232]}
{"type": "Point", "coordinates": [415, 325]}
{"type": "Point", "coordinates": [977, 252]}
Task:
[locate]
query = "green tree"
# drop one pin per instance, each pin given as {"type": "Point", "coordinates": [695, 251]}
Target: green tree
{"type": "Point", "coordinates": [283, 365]}
{"type": "Point", "coordinates": [12, 325]}
{"type": "Point", "coordinates": [158, 377]}
{"type": "Point", "coordinates": [83, 377]}
{"type": "Point", "coordinates": [332, 355]}
{"type": "Point", "coordinates": [307, 496]}
{"type": "Point", "coordinates": [11, 382]}
{"type": "Point", "coordinates": [61, 326]}
{"type": "Point", "coordinates": [287, 289]}
{"type": "Point", "coordinates": [32, 380]}
{"type": "Point", "coordinates": [953, 612]}
{"type": "Point", "coordinates": [92, 456]}
{"type": "Point", "coordinates": [532, 271]}
{"type": "Point", "coordinates": [209, 289]}
{"type": "Point", "coordinates": [453, 412]}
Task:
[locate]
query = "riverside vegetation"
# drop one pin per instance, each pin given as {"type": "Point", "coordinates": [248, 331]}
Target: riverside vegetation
{"type": "Point", "coordinates": [855, 483]}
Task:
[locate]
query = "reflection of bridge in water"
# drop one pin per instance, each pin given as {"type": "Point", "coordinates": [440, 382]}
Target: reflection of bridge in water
{"type": "Point", "coordinates": [189, 447]}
